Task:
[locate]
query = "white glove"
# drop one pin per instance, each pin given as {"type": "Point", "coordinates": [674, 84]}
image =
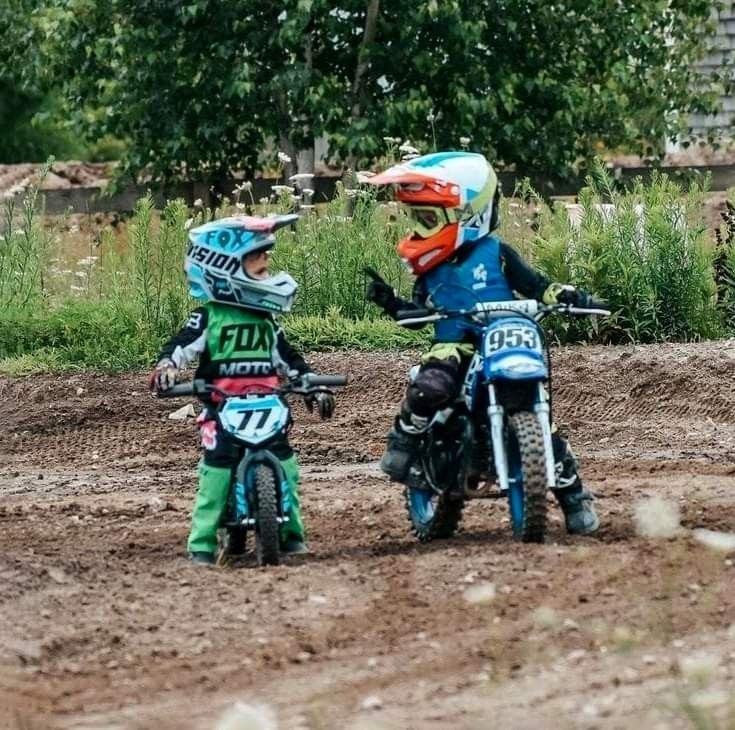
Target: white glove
{"type": "Point", "coordinates": [164, 376]}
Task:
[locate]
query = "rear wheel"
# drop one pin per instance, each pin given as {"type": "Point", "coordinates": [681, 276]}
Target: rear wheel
{"type": "Point", "coordinates": [266, 528]}
{"type": "Point", "coordinates": [527, 467]}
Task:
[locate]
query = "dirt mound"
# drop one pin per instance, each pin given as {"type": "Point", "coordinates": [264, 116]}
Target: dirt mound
{"type": "Point", "coordinates": [103, 623]}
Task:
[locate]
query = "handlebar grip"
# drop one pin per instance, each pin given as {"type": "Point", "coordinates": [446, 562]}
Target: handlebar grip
{"type": "Point", "coordinates": [198, 386]}
{"type": "Point", "coordinates": [324, 380]}
{"type": "Point", "coordinates": [411, 313]}
{"type": "Point", "coordinates": [177, 391]}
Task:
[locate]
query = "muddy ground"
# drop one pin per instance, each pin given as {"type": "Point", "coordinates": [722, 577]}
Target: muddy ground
{"type": "Point", "coordinates": [104, 624]}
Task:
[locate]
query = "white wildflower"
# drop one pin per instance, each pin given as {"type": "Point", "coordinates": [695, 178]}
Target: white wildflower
{"type": "Point", "coordinates": [247, 717]}
{"type": "Point", "coordinates": [392, 140]}
{"type": "Point", "coordinates": [338, 218]}
{"type": "Point", "coordinates": [301, 177]}
{"type": "Point", "coordinates": [408, 157]}
{"type": "Point", "coordinates": [279, 189]}
{"type": "Point", "coordinates": [408, 149]}
{"type": "Point", "coordinates": [465, 141]}
{"type": "Point", "coordinates": [264, 201]}
{"type": "Point", "coordinates": [657, 518]}
{"type": "Point", "coordinates": [240, 206]}
{"type": "Point", "coordinates": [480, 593]}
{"type": "Point", "coordinates": [246, 186]}
{"type": "Point", "coordinates": [431, 117]}
{"type": "Point", "coordinates": [721, 541]}
{"type": "Point", "coordinates": [198, 203]}
{"type": "Point", "coordinates": [187, 223]}
{"type": "Point", "coordinates": [283, 158]}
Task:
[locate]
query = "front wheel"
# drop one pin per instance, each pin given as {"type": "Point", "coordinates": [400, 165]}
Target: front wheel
{"type": "Point", "coordinates": [527, 467]}
{"type": "Point", "coordinates": [433, 516]}
{"type": "Point", "coordinates": [266, 528]}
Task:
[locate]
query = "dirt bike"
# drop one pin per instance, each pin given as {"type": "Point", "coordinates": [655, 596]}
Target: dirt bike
{"type": "Point", "coordinates": [259, 497]}
{"type": "Point", "coordinates": [498, 432]}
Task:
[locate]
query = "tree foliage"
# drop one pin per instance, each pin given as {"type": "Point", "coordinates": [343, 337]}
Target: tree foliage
{"type": "Point", "coordinates": [27, 108]}
{"type": "Point", "coordinates": [196, 87]}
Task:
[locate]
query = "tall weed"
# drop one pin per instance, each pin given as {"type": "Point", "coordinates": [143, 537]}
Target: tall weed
{"type": "Point", "coordinates": [645, 251]}
{"type": "Point", "coordinates": [157, 251]}
{"type": "Point", "coordinates": [24, 250]}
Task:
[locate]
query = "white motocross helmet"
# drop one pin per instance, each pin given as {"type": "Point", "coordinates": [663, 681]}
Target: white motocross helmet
{"type": "Point", "coordinates": [214, 270]}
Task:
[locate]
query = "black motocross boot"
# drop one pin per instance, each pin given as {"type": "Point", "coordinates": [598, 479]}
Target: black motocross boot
{"type": "Point", "coordinates": [400, 452]}
{"type": "Point", "coordinates": [575, 501]}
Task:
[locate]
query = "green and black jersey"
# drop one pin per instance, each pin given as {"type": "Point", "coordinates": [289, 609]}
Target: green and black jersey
{"type": "Point", "coordinates": [232, 342]}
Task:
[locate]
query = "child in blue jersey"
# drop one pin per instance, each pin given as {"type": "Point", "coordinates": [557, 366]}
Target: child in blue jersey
{"type": "Point", "coordinates": [452, 202]}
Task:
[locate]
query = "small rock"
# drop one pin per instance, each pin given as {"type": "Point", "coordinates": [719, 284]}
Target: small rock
{"type": "Point", "coordinates": [80, 390]}
{"type": "Point", "coordinates": [480, 594]}
{"type": "Point", "coordinates": [373, 702]}
{"type": "Point", "coordinates": [649, 659]}
{"type": "Point", "coordinates": [181, 414]}
{"type": "Point", "coordinates": [317, 598]}
{"type": "Point", "coordinates": [26, 651]}
{"type": "Point", "coordinates": [570, 624]}
{"type": "Point", "coordinates": [57, 575]}
{"type": "Point", "coordinates": [576, 656]}
{"type": "Point", "coordinates": [156, 504]}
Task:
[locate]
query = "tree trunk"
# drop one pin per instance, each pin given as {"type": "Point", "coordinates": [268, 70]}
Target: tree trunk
{"type": "Point", "coordinates": [368, 37]}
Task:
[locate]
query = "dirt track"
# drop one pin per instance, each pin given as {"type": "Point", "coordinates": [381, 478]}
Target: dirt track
{"type": "Point", "coordinates": [103, 623]}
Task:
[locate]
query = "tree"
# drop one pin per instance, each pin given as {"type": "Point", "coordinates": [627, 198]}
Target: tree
{"type": "Point", "coordinates": [198, 86]}
{"type": "Point", "coordinates": [27, 108]}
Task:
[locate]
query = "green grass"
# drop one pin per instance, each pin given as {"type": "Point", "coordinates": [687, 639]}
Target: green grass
{"type": "Point", "coordinates": [661, 272]}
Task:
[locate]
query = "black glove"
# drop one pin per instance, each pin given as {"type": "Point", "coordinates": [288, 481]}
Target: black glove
{"type": "Point", "coordinates": [379, 290]}
{"type": "Point", "coordinates": [576, 297]}
{"type": "Point", "coordinates": [324, 404]}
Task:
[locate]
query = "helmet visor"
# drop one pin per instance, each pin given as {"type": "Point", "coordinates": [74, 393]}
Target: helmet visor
{"type": "Point", "coordinates": [427, 220]}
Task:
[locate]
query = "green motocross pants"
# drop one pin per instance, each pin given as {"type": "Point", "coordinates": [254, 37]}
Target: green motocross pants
{"type": "Point", "coordinates": [211, 501]}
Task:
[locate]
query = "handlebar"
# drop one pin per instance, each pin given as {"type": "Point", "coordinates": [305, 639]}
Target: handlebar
{"type": "Point", "coordinates": [528, 307]}
{"type": "Point", "coordinates": [324, 381]}
{"type": "Point", "coordinates": [307, 383]}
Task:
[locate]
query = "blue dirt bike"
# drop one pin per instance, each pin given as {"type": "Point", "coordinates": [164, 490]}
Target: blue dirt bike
{"type": "Point", "coordinates": [498, 432]}
{"type": "Point", "coordinates": [259, 497]}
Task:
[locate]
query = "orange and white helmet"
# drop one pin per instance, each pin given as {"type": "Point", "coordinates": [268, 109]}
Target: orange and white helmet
{"type": "Point", "coordinates": [451, 198]}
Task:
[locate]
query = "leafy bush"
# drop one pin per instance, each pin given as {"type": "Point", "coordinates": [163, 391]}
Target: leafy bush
{"type": "Point", "coordinates": [646, 252]}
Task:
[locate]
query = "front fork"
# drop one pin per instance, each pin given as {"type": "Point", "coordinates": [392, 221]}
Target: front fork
{"type": "Point", "coordinates": [496, 416]}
